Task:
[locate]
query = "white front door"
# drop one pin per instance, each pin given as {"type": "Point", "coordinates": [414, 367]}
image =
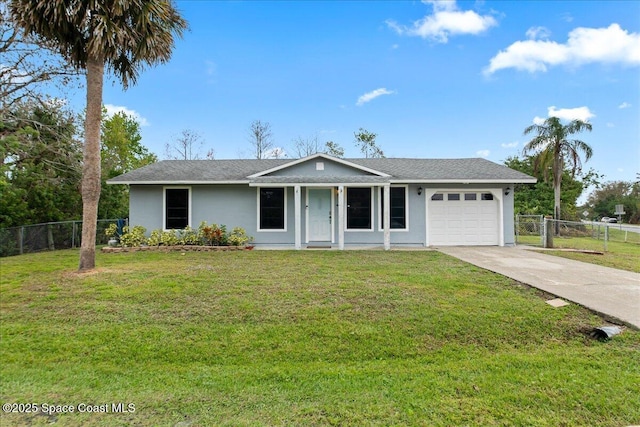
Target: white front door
{"type": "Point", "coordinates": [320, 214]}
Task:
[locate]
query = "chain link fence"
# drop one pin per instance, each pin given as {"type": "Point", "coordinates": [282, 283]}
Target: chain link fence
{"type": "Point", "coordinates": [48, 236]}
{"type": "Point", "coordinates": [535, 230]}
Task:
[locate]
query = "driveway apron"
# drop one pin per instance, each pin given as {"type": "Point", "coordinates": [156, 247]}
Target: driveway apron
{"type": "Point", "coordinates": [609, 291]}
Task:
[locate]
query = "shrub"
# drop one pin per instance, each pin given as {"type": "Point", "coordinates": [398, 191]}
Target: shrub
{"type": "Point", "coordinates": [189, 236]}
{"type": "Point", "coordinates": [238, 237]}
{"type": "Point", "coordinates": [111, 231]}
{"type": "Point", "coordinates": [213, 234]}
{"type": "Point", "coordinates": [163, 238]}
{"type": "Point", "coordinates": [132, 237]}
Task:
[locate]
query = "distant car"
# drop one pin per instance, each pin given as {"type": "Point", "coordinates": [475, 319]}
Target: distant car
{"type": "Point", "coordinates": [608, 219]}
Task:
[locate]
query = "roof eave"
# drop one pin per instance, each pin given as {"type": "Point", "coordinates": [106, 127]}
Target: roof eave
{"type": "Point", "coordinates": [186, 182]}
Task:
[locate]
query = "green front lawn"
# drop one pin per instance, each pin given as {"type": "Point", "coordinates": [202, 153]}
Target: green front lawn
{"type": "Point", "coordinates": [619, 254]}
{"type": "Point", "coordinates": [302, 338]}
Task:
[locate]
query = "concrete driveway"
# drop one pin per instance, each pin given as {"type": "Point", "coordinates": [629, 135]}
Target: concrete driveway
{"type": "Point", "coordinates": [614, 293]}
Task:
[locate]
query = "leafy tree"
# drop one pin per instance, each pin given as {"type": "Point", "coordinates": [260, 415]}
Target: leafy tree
{"type": "Point", "coordinates": [555, 152]}
{"type": "Point", "coordinates": [122, 36]}
{"type": "Point", "coordinates": [27, 63]}
{"type": "Point", "coordinates": [187, 146]}
{"type": "Point", "coordinates": [538, 198]}
{"type": "Point", "coordinates": [333, 149]}
{"type": "Point", "coordinates": [603, 200]}
{"type": "Point", "coordinates": [261, 139]}
{"type": "Point", "coordinates": [366, 142]}
{"type": "Point", "coordinates": [40, 170]}
{"type": "Point", "coordinates": [121, 151]}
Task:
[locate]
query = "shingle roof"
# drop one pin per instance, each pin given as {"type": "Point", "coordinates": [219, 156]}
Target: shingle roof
{"type": "Point", "coordinates": [399, 169]}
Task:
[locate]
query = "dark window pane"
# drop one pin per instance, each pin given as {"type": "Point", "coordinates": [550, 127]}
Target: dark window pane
{"type": "Point", "coordinates": [453, 196]}
{"type": "Point", "coordinates": [272, 208]}
{"type": "Point", "coordinates": [359, 208]}
{"type": "Point", "coordinates": [470, 196]}
{"type": "Point", "coordinates": [437, 197]}
{"type": "Point", "coordinates": [177, 208]}
{"type": "Point", "coordinates": [486, 196]}
{"type": "Point", "coordinates": [398, 207]}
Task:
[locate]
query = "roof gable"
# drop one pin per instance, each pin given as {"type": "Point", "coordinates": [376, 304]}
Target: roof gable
{"type": "Point", "coordinates": [310, 166]}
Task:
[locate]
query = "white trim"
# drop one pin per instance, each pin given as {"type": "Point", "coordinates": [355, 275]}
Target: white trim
{"type": "Point", "coordinates": [346, 222]}
{"type": "Point", "coordinates": [271, 230]}
{"type": "Point", "coordinates": [164, 204]}
{"type": "Point", "coordinates": [386, 216]}
{"type": "Point", "coordinates": [315, 156]}
{"type": "Point", "coordinates": [466, 181]}
{"type": "Point", "coordinates": [406, 210]}
{"type": "Point", "coordinates": [333, 202]}
{"type": "Point", "coordinates": [392, 181]}
{"type": "Point", "coordinates": [296, 214]}
{"type": "Point", "coordinates": [341, 216]}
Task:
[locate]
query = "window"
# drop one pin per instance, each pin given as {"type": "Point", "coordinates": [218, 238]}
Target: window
{"type": "Point", "coordinates": [470, 196]}
{"type": "Point", "coordinates": [437, 197]}
{"type": "Point", "coordinates": [453, 196]}
{"type": "Point", "coordinates": [359, 208]}
{"type": "Point", "coordinates": [272, 209]}
{"type": "Point", "coordinates": [398, 212]}
{"type": "Point", "coordinates": [176, 202]}
{"type": "Point", "coordinates": [486, 196]}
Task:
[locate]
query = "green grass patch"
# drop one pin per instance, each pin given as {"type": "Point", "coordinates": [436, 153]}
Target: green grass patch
{"type": "Point", "coordinates": [620, 254]}
{"type": "Point", "coordinates": [302, 338]}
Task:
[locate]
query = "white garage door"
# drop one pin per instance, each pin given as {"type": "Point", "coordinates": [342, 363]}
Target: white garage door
{"type": "Point", "coordinates": [458, 219]}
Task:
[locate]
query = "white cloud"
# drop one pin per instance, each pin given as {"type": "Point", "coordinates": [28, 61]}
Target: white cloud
{"type": "Point", "coordinates": [370, 96]}
{"type": "Point", "coordinates": [624, 105]}
{"type": "Point", "coordinates": [509, 145]}
{"type": "Point", "coordinates": [113, 109]}
{"type": "Point", "coordinates": [538, 33]}
{"type": "Point", "coordinates": [611, 45]}
{"type": "Point", "coordinates": [483, 153]}
{"type": "Point", "coordinates": [579, 113]}
{"type": "Point", "coordinates": [447, 20]}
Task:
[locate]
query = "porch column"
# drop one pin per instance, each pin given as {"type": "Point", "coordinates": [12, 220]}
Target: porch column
{"type": "Point", "coordinates": [297, 216]}
{"type": "Point", "coordinates": [500, 197]}
{"type": "Point", "coordinates": [386, 219]}
{"type": "Point", "coordinates": [341, 217]}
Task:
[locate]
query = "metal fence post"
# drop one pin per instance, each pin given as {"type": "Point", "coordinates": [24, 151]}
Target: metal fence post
{"type": "Point", "coordinates": [517, 229]}
{"type": "Point", "coordinates": [606, 236]}
{"type": "Point", "coordinates": [21, 241]}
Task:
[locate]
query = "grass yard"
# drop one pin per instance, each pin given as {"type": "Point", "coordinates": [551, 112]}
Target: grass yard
{"type": "Point", "coordinates": [302, 338]}
{"type": "Point", "coordinates": [619, 254]}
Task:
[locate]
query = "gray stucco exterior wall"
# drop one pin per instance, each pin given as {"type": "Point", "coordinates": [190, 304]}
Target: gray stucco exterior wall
{"type": "Point", "coordinates": [237, 206]}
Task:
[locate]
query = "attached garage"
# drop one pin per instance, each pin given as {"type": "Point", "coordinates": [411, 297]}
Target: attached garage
{"type": "Point", "coordinates": [463, 219]}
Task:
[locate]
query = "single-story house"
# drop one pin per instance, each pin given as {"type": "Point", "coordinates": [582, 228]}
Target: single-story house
{"type": "Point", "coordinates": [322, 200]}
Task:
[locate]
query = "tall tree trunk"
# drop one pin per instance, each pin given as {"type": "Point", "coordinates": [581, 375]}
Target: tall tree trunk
{"type": "Point", "coordinates": [91, 163]}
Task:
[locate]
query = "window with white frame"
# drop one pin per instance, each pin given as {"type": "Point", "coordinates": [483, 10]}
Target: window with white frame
{"type": "Point", "coordinates": [272, 214]}
{"type": "Point", "coordinates": [398, 208]}
{"type": "Point", "coordinates": [176, 208]}
{"type": "Point", "coordinates": [359, 210]}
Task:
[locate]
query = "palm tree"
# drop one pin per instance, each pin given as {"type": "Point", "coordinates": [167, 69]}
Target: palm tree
{"type": "Point", "coordinates": [123, 36]}
{"type": "Point", "coordinates": [554, 151]}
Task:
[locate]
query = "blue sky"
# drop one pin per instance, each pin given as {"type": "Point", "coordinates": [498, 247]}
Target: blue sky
{"type": "Point", "coordinates": [432, 79]}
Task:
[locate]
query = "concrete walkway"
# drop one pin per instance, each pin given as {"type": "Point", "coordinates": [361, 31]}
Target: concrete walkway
{"type": "Point", "coordinates": [612, 292]}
